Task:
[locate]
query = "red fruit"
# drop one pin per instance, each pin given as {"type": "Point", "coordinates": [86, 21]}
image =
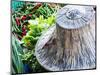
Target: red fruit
{"type": "Point", "coordinates": [24, 17]}
{"type": "Point", "coordinates": [23, 28]}
{"type": "Point", "coordinates": [23, 31]}
{"type": "Point", "coordinates": [18, 21]}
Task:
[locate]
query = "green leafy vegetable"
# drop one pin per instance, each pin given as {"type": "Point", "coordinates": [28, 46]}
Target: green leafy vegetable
{"type": "Point", "coordinates": [35, 29]}
{"type": "Point", "coordinates": [16, 59]}
{"type": "Point", "coordinates": [29, 20]}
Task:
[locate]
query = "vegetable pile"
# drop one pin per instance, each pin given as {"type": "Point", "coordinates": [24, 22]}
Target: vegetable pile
{"type": "Point", "coordinates": [29, 20]}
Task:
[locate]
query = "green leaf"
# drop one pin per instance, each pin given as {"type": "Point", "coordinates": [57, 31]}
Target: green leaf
{"type": "Point", "coordinates": [17, 65]}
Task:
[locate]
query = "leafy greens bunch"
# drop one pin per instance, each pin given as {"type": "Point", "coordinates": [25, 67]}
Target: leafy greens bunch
{"type": "Point", "coordinates": [36, 27]}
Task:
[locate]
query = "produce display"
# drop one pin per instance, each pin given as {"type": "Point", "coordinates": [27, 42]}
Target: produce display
{"type": "Point", "coordinates": [29, 21]}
